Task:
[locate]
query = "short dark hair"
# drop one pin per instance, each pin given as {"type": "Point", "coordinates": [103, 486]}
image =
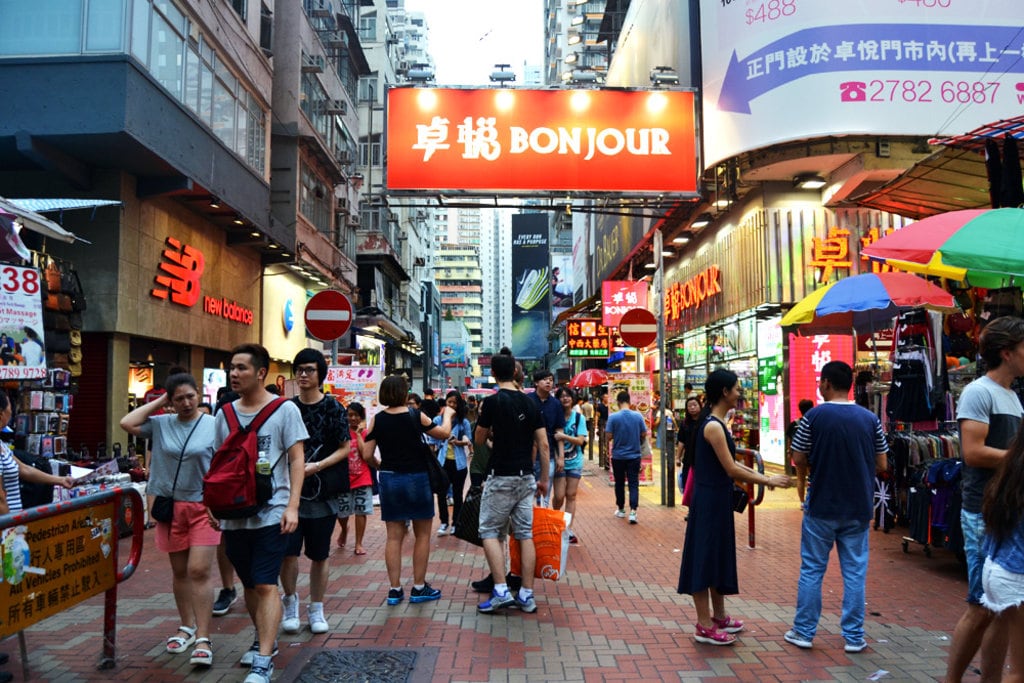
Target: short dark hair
{"type": "Point", "coordinates": [563, 391]}
{"type": "Point", "coordinates": [542, 374]}
{"type": "Point", "coordinates": [622, 397]}
{"type": "Point", "coordinates": [839, 374]}
{"type": "Point", "coordinates": [357, 408]}
{"type": "Point", "coordinates": [415, 398]}
{"type": "Point", "coordinates": [999, 335]}
{"type": "Point", "coordinates": [393, 391]}
{"type": "Point", "coordinates": [804, 405]}
{"type": "Point", "coordinates": [312, 356]}
{"type": "Point", "coordinates": [428, 392]}
{"type": "Point", "coordinates": [179, 379]}
{"type": "Point", "coordinates": [259, 354]}
{"type": "Point", "coordinates": [503, 366]}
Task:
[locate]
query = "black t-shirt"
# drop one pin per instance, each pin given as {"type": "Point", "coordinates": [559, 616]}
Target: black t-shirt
{"type": "Point", "coordinates": [400, 440]}
{"type": "Point", "coordinates": [327, 425]}
{"type": "Point", "coordinates": [513, 418]}
{"type": "Point", "coordinates": [602, 413]}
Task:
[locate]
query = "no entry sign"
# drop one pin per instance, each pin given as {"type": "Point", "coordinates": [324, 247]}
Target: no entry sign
{"type": "Point", "coordinates": [638, 328]}
{"type": "Point", "coordinates": [328, 315]}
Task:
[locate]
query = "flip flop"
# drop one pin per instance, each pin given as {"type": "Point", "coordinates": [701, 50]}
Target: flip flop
{"type": "Point", "coordinates": [360, 551]}
{"type": "Point", "coordinates": [176, 644]}
{"type": "Point", "coordinates": [202, 655]}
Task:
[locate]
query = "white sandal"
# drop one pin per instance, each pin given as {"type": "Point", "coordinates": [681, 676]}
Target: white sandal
{"type": "Point", "coordinates": [176, 644]}
{"type": "Point", "coordinates": [202, 657]}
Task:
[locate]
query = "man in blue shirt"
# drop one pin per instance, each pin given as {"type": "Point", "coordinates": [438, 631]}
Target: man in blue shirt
{"type": "Point", "coordinates": [843, 446]}
{"type": "Point", "coordinates": [554, 423]}
{"type": "Point", "coordinates": [626, 431]}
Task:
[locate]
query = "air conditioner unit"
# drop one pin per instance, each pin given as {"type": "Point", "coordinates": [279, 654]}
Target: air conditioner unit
{"type": "Point", "coordinates": [343, 203]}
{"type": "Point", "coordinates": [403, 66]}
{"type": "Point", "coordinates": [353, 220]}
{"type": "Point", "coordinates": [344, 158]}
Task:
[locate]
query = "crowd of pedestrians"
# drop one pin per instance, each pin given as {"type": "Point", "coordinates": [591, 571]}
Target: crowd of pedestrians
{"type": "Point", "coordinates": [519, 450]}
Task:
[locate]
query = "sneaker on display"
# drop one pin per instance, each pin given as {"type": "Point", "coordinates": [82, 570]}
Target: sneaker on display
{"type": "Point", "coordinates": [290, 618]}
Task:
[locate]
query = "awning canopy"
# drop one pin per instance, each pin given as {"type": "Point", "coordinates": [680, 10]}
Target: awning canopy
{"type": "Point", "coordinates": [952, 178]}
{"type": "Point", "coordinates": [35, 222]}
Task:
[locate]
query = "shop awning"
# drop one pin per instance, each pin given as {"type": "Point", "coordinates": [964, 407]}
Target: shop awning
{"type": "Point", "coordinates": [952, 178]}
{"type": "Point", "coordinates": [36, 222]}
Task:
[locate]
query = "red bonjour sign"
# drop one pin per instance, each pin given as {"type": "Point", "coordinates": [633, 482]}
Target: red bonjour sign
{"type": "Point", "coordinates": [638, 328]}
{"type": "Point", "coordinates": [692, 293]}
{"type": "Point", "coordinates": [619, 296]}
{"type": "Point", "coordinates": [541, 140]}
{"type": "Point", "coordinates": [328, 315]}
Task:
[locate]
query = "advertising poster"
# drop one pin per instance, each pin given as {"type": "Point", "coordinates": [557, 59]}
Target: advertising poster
{"type": "Point", "coordinates": [807, 356]}
{"type": "Point", "coordinates": [454, 355]}
{"type": "Point", "coordinates": [562, 284]}
{"type": "Point", "coordinates": [640, 396]}
{"type": "Point", "coordinates": [531, 285]}
{"type": "Point", "coordinates": [22, 345]}
{"type": "Point", "coordinates": [895, 67]}
{"type": "Point", "coordinates": [355, 383]}
{"type": "Point", "coordinates": [771, 399]}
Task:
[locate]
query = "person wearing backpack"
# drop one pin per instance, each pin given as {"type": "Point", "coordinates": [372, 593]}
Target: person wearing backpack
{"type": "Point", "coordinates": [326, 475]}
{"type": "Point", "coordinates": [256, 544]}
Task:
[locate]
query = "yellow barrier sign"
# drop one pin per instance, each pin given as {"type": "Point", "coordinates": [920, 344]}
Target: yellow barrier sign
{"type": "Point", "coordinates": [51, 564]}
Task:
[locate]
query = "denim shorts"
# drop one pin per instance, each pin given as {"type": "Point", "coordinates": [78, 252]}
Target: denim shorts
{"type": "Point", "coordinates": [1003, 589]}
{"type": "Point", "coordinates": [405, 496]}
{"type": "Point", "coordinates": [256, 554]}
{"type": "Point", "coordinates": [974, 536]}
{"type": "Point", "coordinates": [507, 499]}
{"type": "Point", "coordinates": [570, 474]}
{"type": "Point", "coordinates": [315, 534]}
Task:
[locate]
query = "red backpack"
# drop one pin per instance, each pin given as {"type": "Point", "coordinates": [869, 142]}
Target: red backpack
{"type": "Point", "coordinates": [232, 488]}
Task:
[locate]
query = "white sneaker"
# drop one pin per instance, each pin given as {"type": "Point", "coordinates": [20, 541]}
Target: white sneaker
{"type": "Point", "coordinates": [442, 530]}
{"type": "Point", "coordinates": [632, 516]}
{"type": "Point", "coordinates": [317, 622]}
{"type": "Point", "coordinates": [620, 513]}
{"type": "Point", "coordinates": [451, 531]}
{"type": "Point", "coordinates": [290, 618]}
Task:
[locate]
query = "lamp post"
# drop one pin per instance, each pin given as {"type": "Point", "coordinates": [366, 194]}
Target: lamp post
{"type": "Point", "coordinates": [668, 474]}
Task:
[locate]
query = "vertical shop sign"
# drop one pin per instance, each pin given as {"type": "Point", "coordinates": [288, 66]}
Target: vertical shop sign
{"type": "Point", "coordinates": [807, 356]}
{"type": "Point", "coordinates": [21, 324]}
{"type": "Point", "coordinates": [531, 285]}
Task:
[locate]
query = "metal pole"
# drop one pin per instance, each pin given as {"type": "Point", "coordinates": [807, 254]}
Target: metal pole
{"type": "Point", "coordinates": [668, 474]}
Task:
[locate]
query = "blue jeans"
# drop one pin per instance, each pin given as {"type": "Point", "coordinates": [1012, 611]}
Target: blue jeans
{"type": "Point", "coordinates": [622, 470]}
{"type": "Point", "coordinates": [850, 537]}
{"type": "Point", "coordinates": [974, 536]}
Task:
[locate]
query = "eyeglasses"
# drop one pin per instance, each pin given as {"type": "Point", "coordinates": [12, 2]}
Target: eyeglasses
{"type": "Point", "coordinates": [305, 370]}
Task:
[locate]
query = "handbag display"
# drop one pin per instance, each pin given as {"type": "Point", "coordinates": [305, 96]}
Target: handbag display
{"type": "Point", "coordinates": [438, 478]}
{"type": "Point", "coordinates": [740, 498]}
{"type": "Point", "coordinates": [163, 506]}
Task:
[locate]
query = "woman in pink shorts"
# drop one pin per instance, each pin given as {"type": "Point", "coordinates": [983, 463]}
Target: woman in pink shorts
{"type": "Point", "coordinates": [182, 442]}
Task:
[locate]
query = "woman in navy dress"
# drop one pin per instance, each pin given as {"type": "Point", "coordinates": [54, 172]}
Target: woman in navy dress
{"type": "Point", "coordinates": [708, 568]}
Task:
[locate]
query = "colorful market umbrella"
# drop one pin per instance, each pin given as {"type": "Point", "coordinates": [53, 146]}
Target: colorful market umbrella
{"type": "Point", "coordinates": [982, 246]}
{"type": "Point", "coordinates": [593, 377]}
{"type": "Point", "coordinates": [864, 303]}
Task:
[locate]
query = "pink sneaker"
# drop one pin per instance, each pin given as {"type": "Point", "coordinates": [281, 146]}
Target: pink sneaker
{"type": "Point", "coordinates": [713, 636]}
{"type": "Point", "coordinates": [729, 625]}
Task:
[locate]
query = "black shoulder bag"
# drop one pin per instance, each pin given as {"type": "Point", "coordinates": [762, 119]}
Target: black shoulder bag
{"type": "Point", "coordinates": [438, 479]}
{"type": "Point", "coordinates": [163, 506]}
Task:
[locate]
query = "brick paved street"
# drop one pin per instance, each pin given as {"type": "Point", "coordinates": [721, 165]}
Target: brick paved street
{"type": "Point", "coordinates": [615, 616]}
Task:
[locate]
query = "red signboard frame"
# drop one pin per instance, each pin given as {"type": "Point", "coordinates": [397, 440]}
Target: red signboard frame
{"type": "Point", "coordinates": [619, 296]}
{"type": "Point", "coordinates": [627, 141]}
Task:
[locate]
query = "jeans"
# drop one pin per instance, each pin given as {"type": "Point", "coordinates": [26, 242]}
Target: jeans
{"type": "Point", "coordinates": [626, 469]}
{"type": "Point", "coordinates": [850, 537]}
{"type": "Point", "coordinates": [974, 536]}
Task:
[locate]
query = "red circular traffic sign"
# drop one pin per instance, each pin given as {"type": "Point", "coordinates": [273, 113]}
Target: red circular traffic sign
{"type": "Point", "coordinates": [638, 328]}
{"type": "Point", "coordinates": [328, 315]}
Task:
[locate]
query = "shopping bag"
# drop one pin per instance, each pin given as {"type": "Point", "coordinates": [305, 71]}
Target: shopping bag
{"type": "Point", "coordinates": [688, 488]}
{"type": "Point", "coordinates": [551, 540]}
{"type": "Point", "coordinates": [467, 526]}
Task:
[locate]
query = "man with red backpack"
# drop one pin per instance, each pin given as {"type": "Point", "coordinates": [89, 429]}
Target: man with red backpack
{"type": "Point", "coordinates": [256, 543]}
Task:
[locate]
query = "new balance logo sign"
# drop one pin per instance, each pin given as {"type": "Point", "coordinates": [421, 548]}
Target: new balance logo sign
{"type": "Point", "coordinates": [181, 269]}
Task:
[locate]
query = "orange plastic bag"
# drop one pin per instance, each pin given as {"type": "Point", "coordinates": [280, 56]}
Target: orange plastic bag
{"type": "Point", "coordinates": [551, 540]}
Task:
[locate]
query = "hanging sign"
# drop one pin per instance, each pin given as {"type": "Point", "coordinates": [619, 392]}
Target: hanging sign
{"type": "Point", "coordinates": [22, 344]}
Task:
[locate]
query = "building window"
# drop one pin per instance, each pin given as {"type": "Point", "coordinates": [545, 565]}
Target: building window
{"type": "Point", "coordinates": [315, 201]}
{"type": "Point", "coordinates": [368, 89]}
{"type": "Point", "coordinates": [368, 29]}
{"type": "Point", "coordinates": [240, 8]}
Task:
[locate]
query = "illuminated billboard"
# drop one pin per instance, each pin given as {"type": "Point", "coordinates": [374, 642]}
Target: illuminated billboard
{"type": "Point", "coordinates": [792, 69]}
{"type": "Point", "coordinates": [541, 140]}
